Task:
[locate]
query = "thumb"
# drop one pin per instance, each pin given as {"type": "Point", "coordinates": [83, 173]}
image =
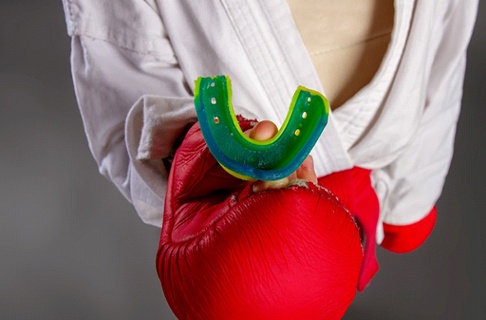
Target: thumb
{"type": "Point", "coordinates": [264, 130]}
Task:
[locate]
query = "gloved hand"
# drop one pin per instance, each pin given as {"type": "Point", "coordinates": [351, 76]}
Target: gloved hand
{"type": "Point", "coordinates": [227, 252]}
{"type": "Point", "coordinates": [354, 190]}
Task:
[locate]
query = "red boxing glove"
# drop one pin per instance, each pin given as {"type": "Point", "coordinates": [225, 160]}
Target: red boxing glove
{"type": "Point", "coordinates": [354, 190]}
{"type": "Point", "coordinates": [228, 253]}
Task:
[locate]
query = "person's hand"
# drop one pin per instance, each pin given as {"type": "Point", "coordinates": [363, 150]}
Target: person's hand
{"type": "Point", "coordinates": [265, 130]}
{"type": "Point", "coordinates": [228, 252]}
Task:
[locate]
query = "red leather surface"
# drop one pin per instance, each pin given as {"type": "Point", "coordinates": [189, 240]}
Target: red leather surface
{"type": "Point", "coordinates": [228, 253]}
{"type": "Point", "coordinates": [354, 190]}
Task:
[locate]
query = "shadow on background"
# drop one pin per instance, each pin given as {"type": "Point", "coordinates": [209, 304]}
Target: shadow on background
{"type": "Point", "coordinates": [71, 247]}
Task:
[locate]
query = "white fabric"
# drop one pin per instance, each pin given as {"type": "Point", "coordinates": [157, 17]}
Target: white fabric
{"type": "Point", "coordinates": [134, 64]}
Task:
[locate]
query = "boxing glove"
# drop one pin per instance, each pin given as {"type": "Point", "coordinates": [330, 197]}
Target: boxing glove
{"type": "Point", "coordinates": [227, 252]}
{"type": "Point", "coordinates": [354, 190]}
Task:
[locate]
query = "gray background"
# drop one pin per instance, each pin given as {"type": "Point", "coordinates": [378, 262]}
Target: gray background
{"type": "Point", "coordinates": [72, 248]}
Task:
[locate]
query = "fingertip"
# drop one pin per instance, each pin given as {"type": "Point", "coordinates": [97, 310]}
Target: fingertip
{"type": "Point", "coordinates": [264, 130]}
{"type": "Point", "coordinates": [306, 170]}
{"type": "Point", "coordinates": [308, 163]}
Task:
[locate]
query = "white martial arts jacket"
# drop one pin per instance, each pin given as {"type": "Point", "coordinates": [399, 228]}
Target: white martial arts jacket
{"type": "Point", "coordinates": [134, 63]}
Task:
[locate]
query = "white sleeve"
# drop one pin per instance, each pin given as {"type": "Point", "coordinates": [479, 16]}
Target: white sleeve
{"type": "Point", "coordinates": [133, 98]}
{"type": "Point", "coordinates": [411, 185]}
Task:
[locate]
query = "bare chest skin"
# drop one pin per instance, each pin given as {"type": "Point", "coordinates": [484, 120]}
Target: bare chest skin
{"type": "Point", "coordinates": [346, 40]}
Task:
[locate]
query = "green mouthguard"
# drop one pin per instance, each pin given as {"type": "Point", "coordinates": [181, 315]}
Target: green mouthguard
{"type": "Point", "coordinates": [247, 158]}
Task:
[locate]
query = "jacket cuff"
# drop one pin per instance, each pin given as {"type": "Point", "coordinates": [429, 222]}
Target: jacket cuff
{"type": "Point", "coordinates": [406, 238]}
